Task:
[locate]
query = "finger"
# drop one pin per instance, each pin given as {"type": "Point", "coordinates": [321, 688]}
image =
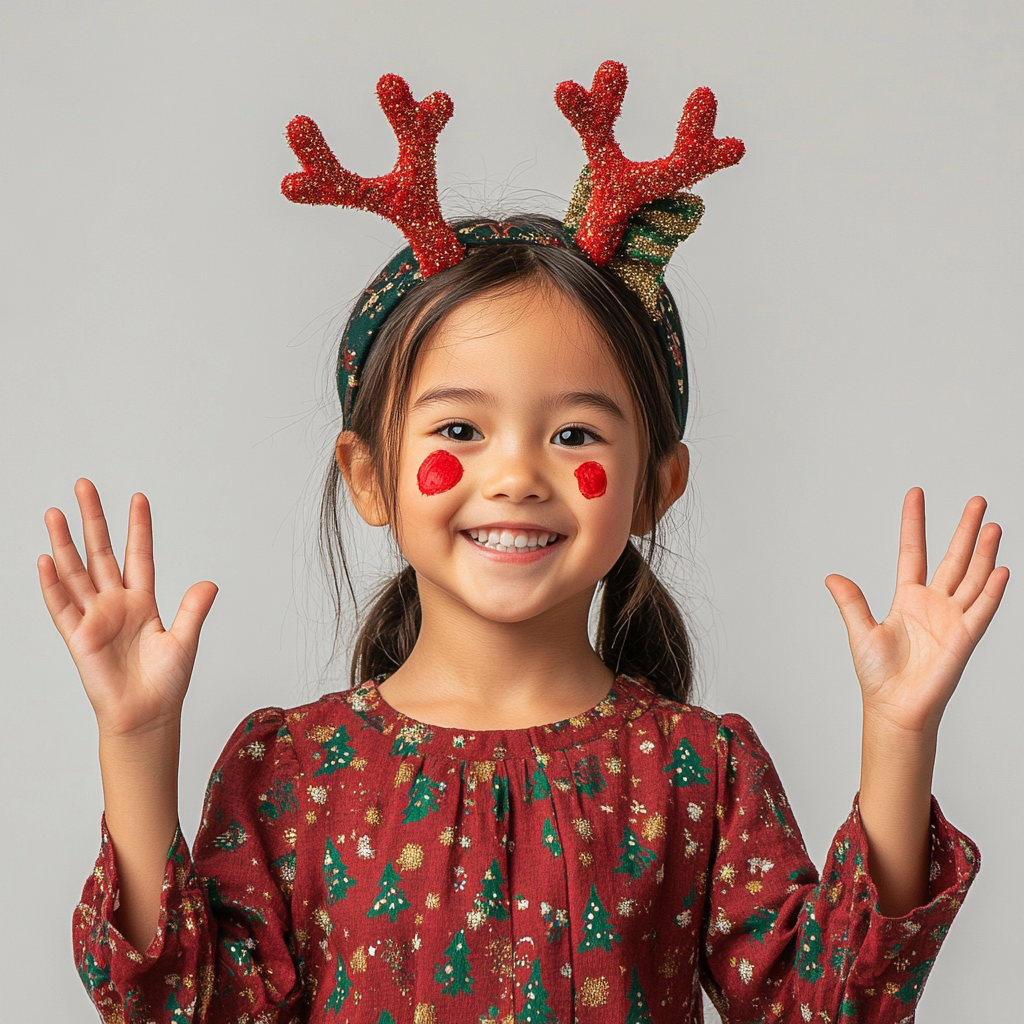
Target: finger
{"type": "Point", "coordinates": [192, 612]}
{"type": "Point", "coordinates": [912, 566]}
{"type": "Point", "coordinates": [73, 575]}
{"type": "Point", "coordinates": [983, 561]}
{"type": "Point", "coordinates": [99, 554]}
{"type": "Point", "coordinates": [852, 605]}
{"type": "Point", "coordinates": [958, 557]}
{"type": "Point", "coordinates": [61, 608]}
{"type": "Point", "coordinates": [138, 553]}
{"type": "Point", "coordinates": [979, 615]}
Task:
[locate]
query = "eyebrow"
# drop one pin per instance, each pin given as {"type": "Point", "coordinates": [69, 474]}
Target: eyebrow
{"type": "Point", "coordinates": [443, 395]}
{"type": "Point", "coordinates": [588, 399]}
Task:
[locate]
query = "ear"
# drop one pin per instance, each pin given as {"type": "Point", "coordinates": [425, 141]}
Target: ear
{"type": "Point", "coordinates": [361, 478]}
{"type": "Point", "coordinates": [673, 473]}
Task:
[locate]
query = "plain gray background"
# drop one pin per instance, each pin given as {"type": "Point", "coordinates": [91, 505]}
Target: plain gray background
{"type": "Point", "coordinates": [853, 300]}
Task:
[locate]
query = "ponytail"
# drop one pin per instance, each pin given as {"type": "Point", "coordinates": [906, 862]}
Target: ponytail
{"type": "Point", "coordinates": [390, 629]}
{"type": "Point", "coordinates": [640, 630]}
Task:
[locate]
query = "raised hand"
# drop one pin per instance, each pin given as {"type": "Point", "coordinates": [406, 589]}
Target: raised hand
{"type": "Point", "coordinates": [910, 663]}
{"type": "Point", "coordinates": [134, 671]}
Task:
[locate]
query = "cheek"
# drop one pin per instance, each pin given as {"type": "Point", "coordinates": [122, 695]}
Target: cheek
{"type": "Point", "coordinates": [592, 479]}
{"type": "Point", "coordinates": [440, 471]}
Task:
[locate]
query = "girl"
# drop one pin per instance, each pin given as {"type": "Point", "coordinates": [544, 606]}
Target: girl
{"type": "Point", "coordinates": [499, 821]}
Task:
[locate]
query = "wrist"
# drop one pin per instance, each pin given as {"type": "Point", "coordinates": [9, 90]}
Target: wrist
{"type": "Point", "coordinates": [897, 726]}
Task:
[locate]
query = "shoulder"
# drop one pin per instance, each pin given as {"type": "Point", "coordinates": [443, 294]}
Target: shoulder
{"type": "Point", "coordinates": [729, 736]}
{"type": "Point", "coordinates": [344, 727]}
{"type": "Point", "coordinates": [689, 721]}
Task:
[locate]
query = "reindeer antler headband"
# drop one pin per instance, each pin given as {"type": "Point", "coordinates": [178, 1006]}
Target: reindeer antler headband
{"type": "Point", "coordinates": [624, 214]}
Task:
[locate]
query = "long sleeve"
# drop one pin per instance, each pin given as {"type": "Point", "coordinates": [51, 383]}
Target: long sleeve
{"type": "Point", "coordinates": [782, 945]}
{"type": "Point", "coordinates": [223, 950]}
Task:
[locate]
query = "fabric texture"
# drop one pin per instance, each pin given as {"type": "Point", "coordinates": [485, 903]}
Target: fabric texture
{"type": "Point", "coordinates": [356, 866]}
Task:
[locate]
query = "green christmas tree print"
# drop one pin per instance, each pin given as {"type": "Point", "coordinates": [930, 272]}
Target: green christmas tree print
{"type": "Point", "coordinates": [240, 955]}
{"type": "Point", "coordinates": [635, 858]}
{"type": "Point", "coordinates": [390, 900]}
{"type": "Point", "coordinates": [342, 987]}
{"type": "Point", "coordinates": [538, 789]}
{"type": "Point", "coordinates": [535, 1000]}
{"type": "Point", "coordinates": [338, 752]}
{"type": "Point", "coordinates": [598, 931]}
{"type": "Point", "coordinates": [554, 847]}
{"type": "Point", "coordinates": [336, 876]}
{"type": "Point", "coordinates": [499, 788]}
{"type": "Point", "coordinates": [422, 798]}
{"type": "Point", "coordinates": [491, 899]}
{"type": "Point", "coordinates": [454, 977]}
{"type": "Point", "coordinates": [587, 776]}
{"type": "Point", "coordinates": [278, 800]}
{"type": "Point", "coordinates": [385, 1018]}
{"type": "Point", "coordinates": [809, 949]}
{"type": "Point", "coordinates": [177, 1010]}
{"type": "Point", "coordinates": [910, 990]}
{"type": "Point", "coordinates": [555, 919]}
{"type": "Point", "coordinates": [638, 1012]}
{"type": "Point", "coordinates": [232, 838]}
{"type": "Point", "coordinates": [686, 767]}
{"type": "Point", "coordinates": [759, 925]}
{"type": "Point", "coordinates": [92, 975]}
{"type": "Point", "coordinates": [285, 868]}
{"type": "Point", "coordinates": [409, 739]}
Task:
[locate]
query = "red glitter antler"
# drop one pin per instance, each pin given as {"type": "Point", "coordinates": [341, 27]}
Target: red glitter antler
{"type": "Point", "coordinates": [619, 187]}
{"type": "Point", "coordinates": [407, 196]}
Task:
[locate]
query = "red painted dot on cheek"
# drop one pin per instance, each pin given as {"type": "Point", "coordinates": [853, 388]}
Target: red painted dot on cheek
{"type": "Point", "coordinates": [592, 479]}
{"type": "Point", "coordinates": [439, 472]}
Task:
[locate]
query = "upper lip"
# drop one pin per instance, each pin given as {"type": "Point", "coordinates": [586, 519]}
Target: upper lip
{"type": "Point", "coordinates": [514, 527]}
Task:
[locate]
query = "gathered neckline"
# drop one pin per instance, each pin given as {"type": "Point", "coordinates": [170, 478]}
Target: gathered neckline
{"type": "Point", "coordinates": [626, 701]}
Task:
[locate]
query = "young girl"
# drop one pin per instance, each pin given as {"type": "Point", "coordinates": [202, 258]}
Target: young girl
{"type": "Point", "coordinates": [500, 821]}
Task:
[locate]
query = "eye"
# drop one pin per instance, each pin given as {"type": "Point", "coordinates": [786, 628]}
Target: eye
{"type": "Point", "coordinates": [574, 437]}
{"type": "Point", "coordinates": [460, 432]}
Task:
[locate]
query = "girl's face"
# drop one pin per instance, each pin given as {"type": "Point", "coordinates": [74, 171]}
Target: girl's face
{"type": "Point", "coordinates": [520, 460]}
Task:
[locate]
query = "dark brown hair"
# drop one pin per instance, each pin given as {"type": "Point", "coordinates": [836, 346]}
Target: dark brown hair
{"type": "Point", "coordinates": [640, 630]}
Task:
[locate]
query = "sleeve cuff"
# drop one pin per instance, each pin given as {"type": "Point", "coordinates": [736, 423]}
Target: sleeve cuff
{"type": "Point", "coordinates": [94, 917]}
{"type": "Point", "coordinates": [954, 863]}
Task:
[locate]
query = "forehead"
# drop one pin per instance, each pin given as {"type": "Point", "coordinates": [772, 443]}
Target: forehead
{"type": "Point", "coordinates": [532, 339]}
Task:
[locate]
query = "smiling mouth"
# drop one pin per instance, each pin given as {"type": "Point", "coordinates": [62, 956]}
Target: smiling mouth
{"type": "Point", "coordinates": [511, 540]}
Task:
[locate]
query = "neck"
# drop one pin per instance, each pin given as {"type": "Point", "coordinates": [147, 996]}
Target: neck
{"type": "Point", "coordinates": [470, 672]}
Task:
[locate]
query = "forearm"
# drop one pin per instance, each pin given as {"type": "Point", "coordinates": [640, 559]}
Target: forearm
{"type": "Point", "coordinates": [895, 811]}
{"type": "Point", "coordinates": [140, 795]}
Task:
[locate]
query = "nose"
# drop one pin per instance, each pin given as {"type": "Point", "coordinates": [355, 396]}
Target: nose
{"type": "Point", "coordinates": [517, 474]}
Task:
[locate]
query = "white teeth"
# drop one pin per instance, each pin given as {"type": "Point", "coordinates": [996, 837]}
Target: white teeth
{"type": "Point", "coordinates": [506, 540]}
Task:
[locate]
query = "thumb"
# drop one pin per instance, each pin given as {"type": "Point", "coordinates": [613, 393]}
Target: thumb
{"type": "Point", "coordinates": [192, 612]}
{"type": "Point", "coordinates": [852, 605]}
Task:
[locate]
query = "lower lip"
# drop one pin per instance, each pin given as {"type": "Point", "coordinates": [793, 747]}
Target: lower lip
{"type": "Point", "coordinates": [523, 557]}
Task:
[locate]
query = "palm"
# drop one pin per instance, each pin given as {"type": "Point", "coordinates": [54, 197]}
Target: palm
{"type": "Point", "coordinates": [910, 663]}
{"type": "Point", "coordinates": [134, 671]}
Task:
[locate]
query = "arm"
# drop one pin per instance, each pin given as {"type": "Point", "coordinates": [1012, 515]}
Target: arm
{"type": "Point", "coordinates": [908, 666]}
{"type": "Point", "coordinates": [135, 674]}
{"type": "Point", "coordinates": [781, 943]}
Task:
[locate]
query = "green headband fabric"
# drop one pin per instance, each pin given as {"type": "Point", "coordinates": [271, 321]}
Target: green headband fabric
{"type": "Point", "coordinates": [402, 274]}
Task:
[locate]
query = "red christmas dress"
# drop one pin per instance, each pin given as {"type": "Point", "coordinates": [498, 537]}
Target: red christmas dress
{"type": "Point", "coordinates": [355, 866]}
